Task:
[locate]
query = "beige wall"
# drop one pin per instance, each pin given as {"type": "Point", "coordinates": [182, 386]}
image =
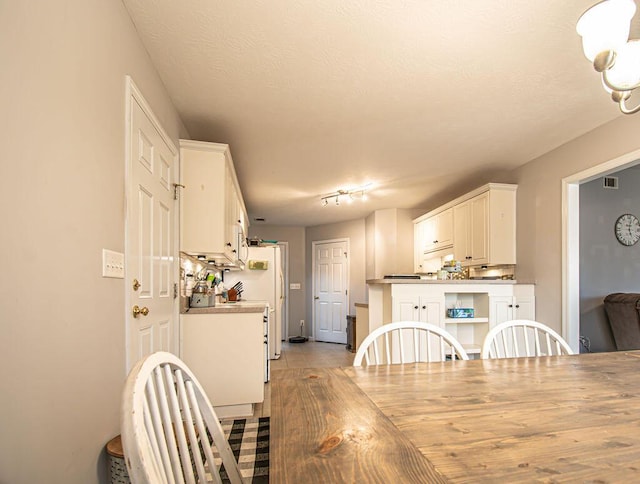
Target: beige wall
{"type": "Point", "coordinates": [62, 198]}
{"type": "Point", "coordinates": [296, 238]}
{"type": "Point", "coordinates": [355, 231]}
{"type": "Point", "coordinates": [404, 241]}
{"type": "Point", "coordinates": [389, 243]}
{"type": "Point", "coordinates": [370, 246]}
{"type": "Point", "coordinates": [539, 216]}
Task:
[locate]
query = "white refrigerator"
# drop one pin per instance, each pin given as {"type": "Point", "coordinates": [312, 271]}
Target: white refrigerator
{"type": "Point", "coordinates": [264, 282]}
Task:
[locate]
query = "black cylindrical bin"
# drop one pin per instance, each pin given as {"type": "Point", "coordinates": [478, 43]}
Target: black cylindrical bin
{"type": "Point", "coordinates": [351, 333]}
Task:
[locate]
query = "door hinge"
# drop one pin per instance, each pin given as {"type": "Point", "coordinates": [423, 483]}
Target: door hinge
{"type": "Point", "coordinates": [175, 290]}
{"type": "Point", "coordinates": [175, 190]}
{"type": "Point", "coordinates": [345, 255]}
{"type": "Point", "coordinates": [346, 292]}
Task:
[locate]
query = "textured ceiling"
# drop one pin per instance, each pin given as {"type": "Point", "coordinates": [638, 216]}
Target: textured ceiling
{"type": "Point", "coordinates": [424, 98]}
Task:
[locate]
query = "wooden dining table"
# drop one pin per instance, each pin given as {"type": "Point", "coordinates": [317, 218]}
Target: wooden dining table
{"type": "Point", "coordinates": [547, 419]}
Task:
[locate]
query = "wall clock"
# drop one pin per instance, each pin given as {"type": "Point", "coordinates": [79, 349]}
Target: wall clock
{"type": "Point", "coordinates": [627, 229]}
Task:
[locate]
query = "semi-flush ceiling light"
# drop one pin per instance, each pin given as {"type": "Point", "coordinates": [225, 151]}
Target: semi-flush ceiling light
{"type": "Point", "coordinates": [605, 40]}
{"type": "Point", "coordinates": [346, 195]}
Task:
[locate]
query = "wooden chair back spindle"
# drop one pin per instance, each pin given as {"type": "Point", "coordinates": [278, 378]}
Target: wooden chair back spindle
{"type": "Point", "coordinates": [406, 342]}
{"type": "Point", "coordinates": [167, 421]}
{"type": "Point", "coordinates": [521, 337]}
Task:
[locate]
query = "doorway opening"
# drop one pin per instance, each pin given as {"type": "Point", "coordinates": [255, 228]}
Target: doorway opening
{"type": "Point", "coordinates": [571, 241]}
{"type": "Point", "coordinates": [284, 251]}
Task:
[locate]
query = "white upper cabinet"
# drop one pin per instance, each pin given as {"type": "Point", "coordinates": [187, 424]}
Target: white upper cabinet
{"type": "Point", "coordinates": [480, 227]}
{"type": "Point", "coordinates": [438, 231]}
{"type": "Point", "coordinates": [471, 231]}
{"type": "Point", "coordinates": [213, 216]}
{"type": "Point", "coordinates": [485, 227]}
{"type": "Point", "coordinates": [433, 233]}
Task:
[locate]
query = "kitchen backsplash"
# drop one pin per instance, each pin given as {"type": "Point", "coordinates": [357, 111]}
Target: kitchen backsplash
{"type": "Point", "coordinates": [193, 270]}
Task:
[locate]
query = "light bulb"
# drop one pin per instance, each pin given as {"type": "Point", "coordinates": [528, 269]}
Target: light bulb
{"type": "Point", "coordinates": [605, 26]}
{"type": "Point", "coordinates": [624, 75]}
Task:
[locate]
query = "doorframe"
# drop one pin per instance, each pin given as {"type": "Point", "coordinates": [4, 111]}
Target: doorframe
{"type": "Point", "coordinates": [571, 240]}
{"type": "Point", "coordinates": [314, 243]}
{"type": "Point", "coordinates": [133, 94]}
{"type": "Point", "coordinates": [284, 247]}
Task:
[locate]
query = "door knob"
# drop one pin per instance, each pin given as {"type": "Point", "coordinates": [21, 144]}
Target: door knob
{"type": "Point", "coordinates": [138, 310]}
{"type": "Point", "coordinates": [316, 297]}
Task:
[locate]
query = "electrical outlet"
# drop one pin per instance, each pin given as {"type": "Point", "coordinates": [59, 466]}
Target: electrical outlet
{"type": "Point", "coordinates": [112, 264]}
{"type": "Point", "coordinates": [301, 323]}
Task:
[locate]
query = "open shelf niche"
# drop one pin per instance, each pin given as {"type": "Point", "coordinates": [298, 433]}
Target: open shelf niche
{"type": "Point", "coordinates": [470, 332]}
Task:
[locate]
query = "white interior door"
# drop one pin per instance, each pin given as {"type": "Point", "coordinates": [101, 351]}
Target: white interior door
{"type": "Point", "coordinates": [331, 282]}
{"type": "Point", "coordinates": [151, 256]}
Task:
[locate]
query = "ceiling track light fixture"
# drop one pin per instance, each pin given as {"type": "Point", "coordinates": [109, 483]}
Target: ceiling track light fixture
{"type": "Point", "coordinates": [604, 29]}
{"type": "Point", "coordinates": [346, 195]}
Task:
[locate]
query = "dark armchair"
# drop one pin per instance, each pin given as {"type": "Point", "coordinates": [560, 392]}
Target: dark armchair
{"type": "Point", "coordinates": [623, 312]}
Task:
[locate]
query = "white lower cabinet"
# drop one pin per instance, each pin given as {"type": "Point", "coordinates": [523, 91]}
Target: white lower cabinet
{"type": "Point", "coordinates": [418, 308]}
{"type": "Point", "coordinates": [428, 302]}
{"type": "Point", "coordinates": [520, 306]}
{"type": "Point", "coordinates": [226, 353]}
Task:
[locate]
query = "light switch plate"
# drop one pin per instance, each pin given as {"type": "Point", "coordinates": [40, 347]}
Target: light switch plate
{"type": "Point", "coordinates": [112, 264]}
{"type": "Point", "coordinates": [294, 285]}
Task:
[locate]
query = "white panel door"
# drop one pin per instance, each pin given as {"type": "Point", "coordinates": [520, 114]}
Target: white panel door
{"type": "Point", "coordinates": [406, 308]}
{"type": "Point", "coordinates": [501, 309]}
{"type": "Point", "coordinates": [431, 310]}
{"type": "Point", "coordinates": [462, 232]}
{"type": "Point", "coordinates": [479, 229]}
{"type": "Point", "coordinates": [525, 308]}
{"type": "Point", "coordinates": [151, 249]}
{"type": "Point", "coordinates": [330, 286]}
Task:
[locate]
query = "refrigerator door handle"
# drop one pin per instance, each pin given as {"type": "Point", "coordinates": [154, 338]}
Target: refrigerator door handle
{"type": "Point", "coordinates": [281, 286]}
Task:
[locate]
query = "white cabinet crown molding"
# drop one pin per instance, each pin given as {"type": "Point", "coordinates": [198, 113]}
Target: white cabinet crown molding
{"type": "Point", "coordinates": [467, 196]}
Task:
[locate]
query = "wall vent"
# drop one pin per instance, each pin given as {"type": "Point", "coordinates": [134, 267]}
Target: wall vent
{"type": "Point", "coordinates": [610, 182]}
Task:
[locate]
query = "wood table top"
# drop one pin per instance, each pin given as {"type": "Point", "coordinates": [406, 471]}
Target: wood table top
{"type": "Point", "coordinates": [550, 419]}
{"type": "Point", "coordinates": [325, 429]}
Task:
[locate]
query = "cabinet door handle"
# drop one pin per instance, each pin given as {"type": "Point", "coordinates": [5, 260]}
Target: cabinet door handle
{"type": "Point", "coordinates": [435, 241]}
{"type": "Point", "coordinates": [510, 305]}
{"type": "Point", "coordinates": [234, 251]}
{"type": "Point", "coordinates": [517, 305]}
{"type": "Point", "coordinates": [424, 307]}
{"type": "Point", "coordinates": [228, 244]}
{"type": "Point", "coordinates": [415, 307]}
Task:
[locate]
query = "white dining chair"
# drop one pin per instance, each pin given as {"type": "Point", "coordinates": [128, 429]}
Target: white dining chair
{"type": "Point", "coordinates": [406, 342]}
{"type": "Point", "coordinates": [522, 337]}
{"type": "Point", "coordinates": [165, 423]}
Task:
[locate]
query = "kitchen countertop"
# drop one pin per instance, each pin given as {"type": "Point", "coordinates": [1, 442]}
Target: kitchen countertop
{"type": "Point", "coordinates": [234, 307]}
{"type": "Point", "coordinates": [438, 281]}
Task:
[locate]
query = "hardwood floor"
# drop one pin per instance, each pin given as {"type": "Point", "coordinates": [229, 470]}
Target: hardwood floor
{"type": "Point", "coordinates": [304, 355]}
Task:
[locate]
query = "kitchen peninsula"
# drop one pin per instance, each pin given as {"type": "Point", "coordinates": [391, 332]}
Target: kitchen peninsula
{"type": "Point", "coordinates": [491, 302]}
